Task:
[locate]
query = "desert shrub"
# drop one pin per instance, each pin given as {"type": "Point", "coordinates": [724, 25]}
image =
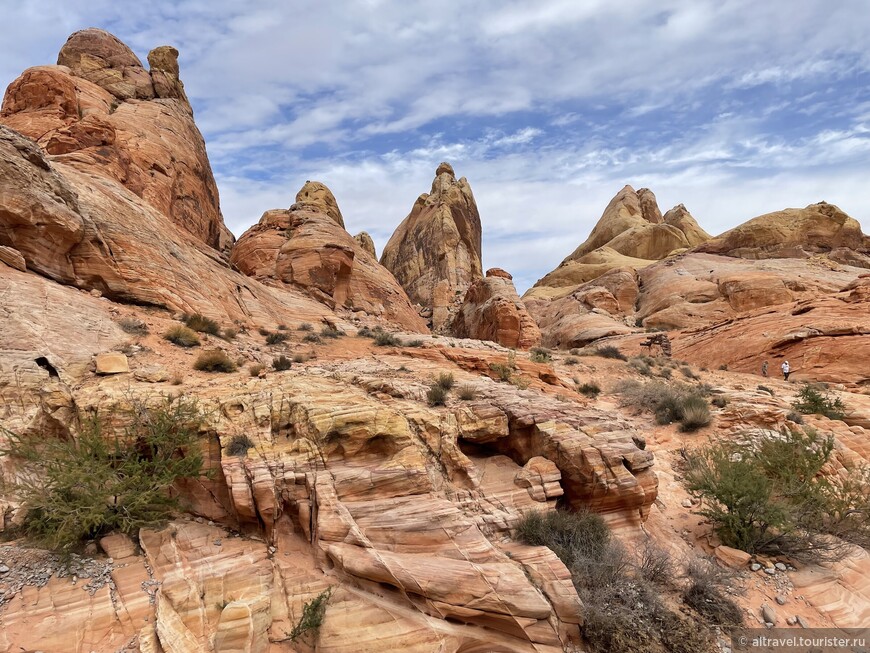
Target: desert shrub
{"type": "Point", "coordinates": [281, 364]}
{"type": "Point", "coordinates": [202, 324]}
{"type": "Point", "coordinates": [540, 355]}
{"type": "Point", "coordinates": [384, 339]}
{"type": "Point", "coordinates": [706, 592]}
{"type": "Point", "coordinates": [609, 351]}
{"type": "Point", "coordinates": [107, 478]}
{"type": "Point", "coordinates": [239, 445]}
{"type": "Point", "coordinates": [466, 393]}
{"type": "Point", "coordinates": [229, 334]}
{"type": "Point", "coordinates": [177, 379]}
{"type": "Point", "coordinates": [686, 371]}
{"type": "Point", "coordinates": [305, 326]}
{"type": "Point", "coordinates": [571, 361]}
{"type": "Point", "coordinates": [768, 496]}
{"type": "Point", "coordinates": [276, 338]}
{"type": "Point", "coordinates": [414, 343]}
{"type": "Point", "coordinates": [764, 388]}
{"type": "Point", "coordinates": [263, 331]}
{"type": "Point", "coordinates": [665, 372]}
{"type": "Point", "coordinates": [182, 336]}
{"type": "Point", "coordinates": [655, 564]}
{"type": "Point", "coordinates": [719, 402]}
{"type": "Point", "coordinates": [331, 332]}
{"type": "Point", "coordinates": [282, 327]}
{"type": "Point", "coordinates": [446, 380]}
{"type": "Point", "coordinates": [590, 389]}
{"type": "Point", "coordinates": [366, 332]}
{"type": "Point", "coordinates": [505, 371]}
{"type": "Point", "coordinates": [812, 401]}
{"type": "Point", "coordinates": [436, 395]}
{"type": "Point", "coordinates": [255, 369]}
{"type": "Point", "coordinates": [723, 367]}
{"type": "Point", "coordinates": [574, 352]}
{"type": "Point", "coordinates": [313, 612]}
{"type": "Point", "coordinates": [640, 366]}
{"type": "Point", "coordinates": [570, 535]}
{"type": "Point", "coordinates": [214, 360]}
{"type": "Point", "coordinates": [795, 417]}
{"type": "Point", "coordinates": [695, 413]}
{"type": "Point", "coordinates": [313, 338]}
{"type": "Point", "coordinates": [298, 358]}
{"type": "Point", "coordinates": [133, 326]}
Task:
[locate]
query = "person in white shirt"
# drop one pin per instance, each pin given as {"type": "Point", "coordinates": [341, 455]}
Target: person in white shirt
{"type": "Point", "coordinates": [786, 370]}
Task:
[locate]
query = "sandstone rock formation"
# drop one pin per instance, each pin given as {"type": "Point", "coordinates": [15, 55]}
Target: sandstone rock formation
{"type": "Point", "coordinates": [435, 253]}
{"type": "Point", "coordinates": [365, 241]}
{"type": "Point", "coordinates": [492, 310]}
{"type": "Point", "coordinates": [306, 247]}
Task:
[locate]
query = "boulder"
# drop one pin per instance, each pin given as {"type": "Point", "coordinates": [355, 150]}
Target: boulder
{"type": "Point", "coordinates": [13, 258]}
{"type": "Point", "coordinates": [734, 558]}
{"type": "Point", "coordinates": [112, 363]}
{"type": "Point", "coordinates": [117, 546]}
{"type": "Point", "coordinates": [492, 310]}
{"type": "Point", "coordinates": [435, 253]}
{"type": "Point", "coordinates": [365, 241]}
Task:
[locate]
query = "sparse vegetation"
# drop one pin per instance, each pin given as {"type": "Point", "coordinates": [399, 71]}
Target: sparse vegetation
{"type": "Point", "coordinates": [104, 478]}
{"type": "Point", "coordinates": [281, 364]}
{"type": "Point", "coordinates": [540, 355]}
{"type": "Point", "coordinates": [384, 339]}
{"type": "Point", "coordinates": [769, 495]}
{"type": "Point", "coordinates": [436, 395]}
{"type": "Point", "coordinates": [466, 393]}
{"type": "Point", "coordinates": [571, 361]}
{"type": "Point", "coordinates": [695, 413]}
{"type": "Point", "coordinates": [229, 333]}
{"type": "Point", "coordinates": [133, 326]}
{"type": "Point", "coordinates": [813, 401]}
{"type": "Point", "coordinates": [313, 612]}
{"type": "Point", "coordinates": [313, 338]}
{"type": "Point", "coordinates": [182, 336]}
{"type": "Point", "coordinates": [282, 327]}
{"type": "Point", "coordinates": [214, 360]}
{"type": "Point", "coordinates": [723, 367]}
{"type": "Point", "coordinates": [276, 338]}
{"type": "Point", "coordinates": [298, 358]}
{"type": "Point", "coordinates": [202, 324]}
{"type": "Point", "coordinates": [764, 388]}
{"type": "Point", "coordinates": [686, 371]}
{"type": "Point", "coordinates": [708, 584]}
{"type": "Point", "coordinates": [669, 403]}
{"type": "Point", "coordinates": [414, 343]}
{"type": "Point", "coordinates": [446, 380]}
{"type": "Point", "coordinates": [255, 369]}
{"type": "Point", "coordinates": [263, 331]}
{"type": "Point", "coordinates": [719, 402]}
{"type": "Point", "coordinates": [305, 326]}
{"type": "Point", "coordinates": [331, 332]}
{"type": "Point", "coordinates": [640, 366]}
{"type": "Point", "coordinates": [795, 417]}
{"type": "Point", "coordinates": [609, 351]}
{"type": "Point", "coordinates": [590, 389]}
{"type": "Point", "coordinates": [239, 445]}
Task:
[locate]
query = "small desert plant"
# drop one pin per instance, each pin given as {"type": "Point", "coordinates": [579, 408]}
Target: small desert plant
{"type": "Point", "coordinates": [504, 371]}
{"type": "Point", "coordinates": [330, 332]}
{"type": "Point", "coordinates": [214, 360]}
{"type": "Point", "coordinates": [256, 369]}
{"type": "Point", "coordinates": [298, 358]}
{"type": "Point", "coordinates": [571, 361]}
{"type": "Point", "coordinates": [466, 393]}
{"type": "Point", "coordinates": [590, 389]}
{"type": "Point", "coordinates": [133, 326]}
{"type": "Point", "coordinates": [414, 343]}
{"type": "Point", "coordinates": [229, 333]}
{"type": "Point", "coordinates": [640, 366]}
{"type": "Point", "coordinates": [665, 372]}
{"type": "Point", "coordinates": [695, 414]}
{"type": "Point", "coordinates": [688, 373]}
{"type": "Point", "coordinates": [669, 403]}
{"type": "Point", "coordinates": [446, 380]}
{"type": "Point", "coordinates": [764, 388]}
{"type": "Point", "coordinates": [106, 478]}
{"type": "Point", "coordinates": [313, 613]}
{"type": "Point", "coordinates": [177, 379]}
{"type": "Point", "coordinates": [202, 324]}
{"type": "Point", "coordinates": [812, 401]}
{"type": "Point", "coordinates": [384, 339]}
{"type": "Point", "coordinates": [239, 445]}
{"type": "Point", "coordinates": [305, 326]}
{"type": "Point", "coordinates": [276, 338]}
{"type": "Point", "coordinates": [540, 355]}
{"type": "Point", "coordinates": [182, 336]}
{"type": "Point", "coordinates": [795, 417]}
{"type": "Point", "coordinates": [655, 564]}
{"type": "Point", "coordinates": [281, 364]}
{"type": "Point", "coordinates": [723, 367]}
{"type": "Point", "coordinates": [436, 395]}
{"type": "Point", "coordinates": [719, 402]}
{"type": "Point", "coordinates": [263, 331]}
{"type": "Point", "coordinates": [609, 351]}
{"type": "Point", "coordinates": [707, 593]}
{"type": "Point", "coordinates": [313, 338]}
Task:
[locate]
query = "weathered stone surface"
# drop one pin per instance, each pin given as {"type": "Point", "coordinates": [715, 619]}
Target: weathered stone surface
{"type": "Point", "coordinates": [492, 310]}
{"type": "Point", "coordinates": [734, 558]}
{"type": "Point", "coordinates": [306, 247]}
{"type": "Point", "coordinates": [112, 363]}
{"type": "Point", "coordinates": [152, 373]}
{"type": "Point", "coordinates": [118, 546]}
{"type": "Point", "coordinates": [365, 241]}
{"type": "Point", "coordinates": [12, 258]}
{"type": "Point", "coordinates": [435, 252]}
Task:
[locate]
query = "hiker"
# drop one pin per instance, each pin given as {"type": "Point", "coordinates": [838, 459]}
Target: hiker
{"type": "Point", "coordinates": [786, 370]}
{"type": "Point", "coordinates": [764, 369]}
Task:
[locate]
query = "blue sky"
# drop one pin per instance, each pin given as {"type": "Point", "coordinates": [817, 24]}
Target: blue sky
{"type": "Point", "coordinates": [732, 107]}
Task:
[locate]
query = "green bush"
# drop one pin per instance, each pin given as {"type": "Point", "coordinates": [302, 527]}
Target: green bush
{"type": "Point", "coordinates": [107, 478]}
{"type": "Point", "coordinates": [281, 364]}
{"type": "Point", "coordinates": [384, 339]}
{"type": "Point", "coordinates": [812, 401]}
{"type": "Point", "coordinates": [769, 496]}
{"type": "Point", "coordinates": [313, 612]}
{"type": "Point", "coordinates": [202, 324]}
{"type": "Point", "coordinates": [609, 351]}
{"type": "Point", "coordinates": [313, 338]}
{"type": "Point", "coordinates": [276, 338]}
{"type": "Point", "coordinates": [436, 395]}
{"type": "Point", "coordinates": [446, 380]}
{"type": "Point", "coordinates": [540, 355]}
{"type": "Point", "coordinates": [331, 332]}
{"type": "Point", "coordinates": [182, 336]}
{"type": "Point", "coordinates": [590, 389]}
{"type": "Point", "coordinates": [239, 445]}
{"type": "Point", "coordinates": [505, 371]}
{"type": "Point", "coordinates": [695, 414]}
{"type": "Point", "coordinates": [214, 360]}
{"type": "Point", "coordinates": [669, 403]}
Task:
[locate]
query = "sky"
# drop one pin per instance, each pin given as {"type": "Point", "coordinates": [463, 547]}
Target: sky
{"type": "Point", "coordinates": [732, 107]}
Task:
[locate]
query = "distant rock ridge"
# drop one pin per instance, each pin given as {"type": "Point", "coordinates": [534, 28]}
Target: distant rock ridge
{"type": "Point", "coordinates": [307, 247]}
{"type": "Point", "coordinates": [435, 253]}
{"type": "Point", "coordinates": [100, 110]}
